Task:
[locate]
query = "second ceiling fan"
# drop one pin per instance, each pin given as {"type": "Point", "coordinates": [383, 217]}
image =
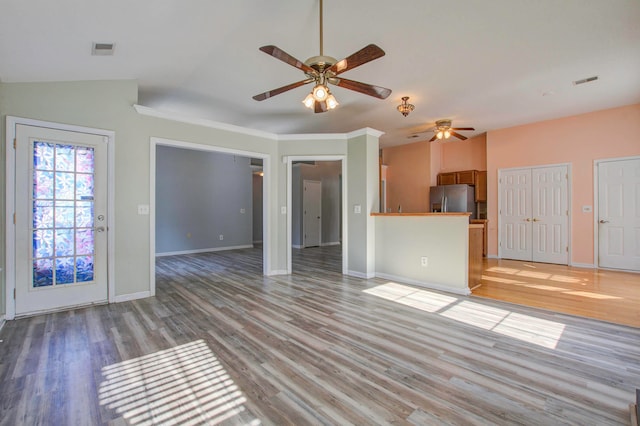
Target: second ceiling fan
{"type": "Point", "coordinates": [323, 70]}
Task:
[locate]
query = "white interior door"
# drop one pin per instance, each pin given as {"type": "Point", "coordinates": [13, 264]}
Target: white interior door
{"type": "Point", "coordinates": [311, 212]}
{"type": "Point", "coordinates": [550, 212]}
{"type": "Point", "coordinates": [515, 214]}
{"type": "Point", "coordinates": [60, 220]}
{"type": "Point", "coordinates": [534, 214]}
{"type": "Point", "coordinates": [619, 214]}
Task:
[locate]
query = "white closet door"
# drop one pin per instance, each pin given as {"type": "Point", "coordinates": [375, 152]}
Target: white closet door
{"type": "Point", "coordinates": [550, 214]}
{"type": "Point", "coordinates": [515, 214]}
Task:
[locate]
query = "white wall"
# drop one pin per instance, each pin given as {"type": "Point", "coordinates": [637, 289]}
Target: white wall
{"type": "Point", "coordinates": [401, 241]}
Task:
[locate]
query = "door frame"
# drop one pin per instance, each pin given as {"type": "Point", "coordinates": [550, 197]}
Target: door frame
{"type": "Point", "coordinates": [596, 203]}
{"type": "Point", "coordinates": [569, 204]}
{"type": "Point", "coordinates": [10, 184]}
{"type": "Point", "coordinates": [266, 198]}
{"type": "Point", "coordinates": [289, 160]}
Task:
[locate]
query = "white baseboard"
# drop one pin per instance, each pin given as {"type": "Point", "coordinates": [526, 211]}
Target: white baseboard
{"type": "Point", "coordinates": [335, 243]}
{"type": "Point", "coordinates": [359, 274]}
{"type": "Point", "coordinates": [583, 265]}
{"type": "Point", "coordinates": [132, 296]}
{"type": "Point", "coordinates": [461, 291]}
{"type": "Point", "coordinates": [492, 256]}
{"type": "Point", "coordinates": [207, 250]}
{"type": "Point", "coordinates": [278, 272]}
{"type": "Point", "coordinates": [257, 242]}
{"type": "Point", "coordinates": [297, 246]}
{"type": "Point", "coordinates": [2, 321]}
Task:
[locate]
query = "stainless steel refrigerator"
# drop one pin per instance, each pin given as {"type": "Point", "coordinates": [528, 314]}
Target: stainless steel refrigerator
{"type": "Point", "coordinates": [453, 198]}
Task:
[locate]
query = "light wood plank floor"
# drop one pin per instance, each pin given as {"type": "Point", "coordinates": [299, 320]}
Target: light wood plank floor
{"type": "Point", "coordinates": [602, 294]}
{"type": "Point", "coordinates": [221, 344]}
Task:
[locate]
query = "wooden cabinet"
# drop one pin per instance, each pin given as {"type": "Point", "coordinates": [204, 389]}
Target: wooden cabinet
{"type": "Point", "coordinates": [447, 178]}
{"type": "Point", "coordinates": [467, 177]}
{"type": "Point", "coordinates": [485, 230]}
{"type": "Point", "coordinates": [475, 255]}
{"type": "Point", "coordinates": [481, 186]}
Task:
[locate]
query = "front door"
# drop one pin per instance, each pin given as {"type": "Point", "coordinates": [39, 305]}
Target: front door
{"type": "Point", "coordinates": [60, 220]}
{"type": "Point", "coordinates": [619, 214]}
{"type": "Point", "coordinates": [311, 209]}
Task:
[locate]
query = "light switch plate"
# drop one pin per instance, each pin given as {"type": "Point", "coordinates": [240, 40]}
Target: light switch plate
{"type": "Point", "coordinates": [283, 210]}
{"type": "Point", "coordinates": [587, 209]}
{"type": "Point", "coordinates": [357, 209]}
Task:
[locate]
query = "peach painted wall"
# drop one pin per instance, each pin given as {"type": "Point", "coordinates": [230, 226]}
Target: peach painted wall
{"type": "Point", "coordinates": [578, 140]}
{"type": "Point", "coordinates": [455, 155]}
{"type": "Point", "coordinates": [408, 176]}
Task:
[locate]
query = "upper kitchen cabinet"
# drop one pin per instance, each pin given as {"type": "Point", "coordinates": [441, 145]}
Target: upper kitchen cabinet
{"type": "Point", "coordinates": [481, 186]}
{"type": "Point", "coordinates": [467, 177]}
{"type": "Point", "coordinates": [447, 178]}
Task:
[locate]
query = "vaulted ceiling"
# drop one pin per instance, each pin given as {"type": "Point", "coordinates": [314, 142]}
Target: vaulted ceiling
{"type": "Point", "coordinates": [486, 64]}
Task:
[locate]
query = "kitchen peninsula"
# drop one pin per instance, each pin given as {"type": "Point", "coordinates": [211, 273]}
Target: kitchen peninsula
{"type": "Point", "coordinates": [429, 249]}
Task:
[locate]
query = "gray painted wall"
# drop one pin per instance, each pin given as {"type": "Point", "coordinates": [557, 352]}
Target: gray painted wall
{"type": "Point", "coordinates": [200, 196]}
{"type": "Point", "coordinates": [327, 172]}
{"type": "Point", "coordinates": [109, 105]}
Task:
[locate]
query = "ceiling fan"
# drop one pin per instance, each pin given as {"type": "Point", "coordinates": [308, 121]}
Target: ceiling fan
{"type": "Point", "coordinates": [323, 70]}
{"type": "Point", "coordinates": [443, 130]}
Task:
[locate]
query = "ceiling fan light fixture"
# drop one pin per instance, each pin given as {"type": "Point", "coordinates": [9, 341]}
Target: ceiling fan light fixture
{"type": "Point", "coordinates": [447, 134]}
{"type": "Point", "coordinates": [332, 102]}
{"type": "Point", "coordinates": [405, 108]}
{"type": "Point", "coordinates": [309, 101]}
{"type": "Point", "coordinates": [320, 92]}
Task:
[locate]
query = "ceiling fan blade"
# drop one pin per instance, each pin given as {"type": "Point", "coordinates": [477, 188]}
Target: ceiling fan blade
{"type": "Point", "coordinates": [320, 106]}
{"type": "Point", "coordinates": [285, 57]}
{"type": "Point", "coordinates": [362, 56]}
{"type": "Point", "coordinates": [270, 93]}
{"type": "Point", "coordinates": [462, 128]}
{"type": "Point", "coordinates": [458, 135]}
{"type": "Point", "coordinates": [433, 138]}
{"type": "Point", "coordinates": [367, 89]}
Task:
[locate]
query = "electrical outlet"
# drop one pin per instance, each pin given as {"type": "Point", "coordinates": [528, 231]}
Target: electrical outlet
{"type": "Point", "coordinates": [242, 211]}
{"type": "Point", "coordinates": [221, 237]}
{"type": "Point", "coordinates": [143, 209]}
{"type": "Point", "coordinates": [424, 261]}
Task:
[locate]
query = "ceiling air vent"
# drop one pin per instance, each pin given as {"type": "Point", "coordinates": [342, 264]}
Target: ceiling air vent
{"type": "Point", "coordinates": [102, 49]}
{"type": "Point", "coordinates": [585, 80]}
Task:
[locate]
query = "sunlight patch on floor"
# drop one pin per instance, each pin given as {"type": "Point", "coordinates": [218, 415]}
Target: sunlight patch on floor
{"type": "Point", "coordinates": [411, 296]}
{"type": "Point", "coordinates": [502, 321]}
{"type": "Point", "coordinates": [185, 385]}
{"type": "Point", "coordinates": [592, 295]}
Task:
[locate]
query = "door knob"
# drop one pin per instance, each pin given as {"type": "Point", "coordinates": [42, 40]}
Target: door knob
{"type": "Point", "coordinates": [528, 220]}
{"type": "Point", "coordinates": [536, 220]}
{"type": "Point", "coordinates": [100, 229]}
{"type": "Point", "coordinates": [604, 221]}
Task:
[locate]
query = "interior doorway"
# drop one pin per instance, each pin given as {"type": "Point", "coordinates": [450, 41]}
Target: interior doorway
{"type": "Point", "coordinates": [202, 201]}
{"type": "Point", "coordinates": [316, 205]}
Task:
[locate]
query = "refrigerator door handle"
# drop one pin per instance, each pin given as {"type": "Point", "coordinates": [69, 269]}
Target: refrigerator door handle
{"type": "Point", "coordinates": [444, 204]}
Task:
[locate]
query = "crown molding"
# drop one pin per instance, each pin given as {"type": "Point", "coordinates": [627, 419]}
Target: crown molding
{"type": "Point", "coordinates": [151, 112]}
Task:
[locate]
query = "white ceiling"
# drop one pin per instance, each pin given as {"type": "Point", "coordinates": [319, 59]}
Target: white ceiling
{"type": "Point", "coordinates": [481, 63]}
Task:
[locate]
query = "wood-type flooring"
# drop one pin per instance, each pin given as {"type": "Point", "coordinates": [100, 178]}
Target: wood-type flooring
{"type": "Point", "coordinates": [222, 344]}
{"type": "Point", "coordinates": [595, 293]}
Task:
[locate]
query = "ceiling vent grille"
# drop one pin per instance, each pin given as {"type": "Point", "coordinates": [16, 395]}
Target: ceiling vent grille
{"type": "Point", "coordinates": [102, 49]}
{"type": "Point", "coordinates": [585, 80]}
